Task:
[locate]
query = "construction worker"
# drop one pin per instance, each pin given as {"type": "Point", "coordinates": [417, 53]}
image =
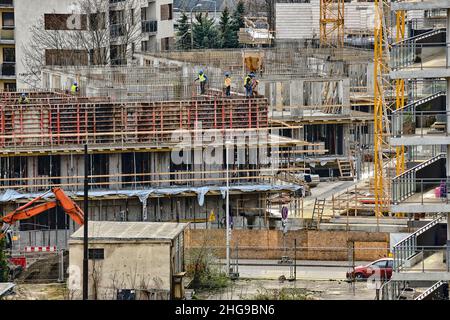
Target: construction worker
{"type": "Point", "coordinates": [254, 85]}
{"type": "Point", "coordinates": [203, 79]}
{"type": "Point", "coordinates": [74, 89]}
{"type": "Point", "coordinates": [23, 99]}
{"type": "Point", "coordinates": [227, 84]}
{"type": "Point", "coordinates": [248, 85]}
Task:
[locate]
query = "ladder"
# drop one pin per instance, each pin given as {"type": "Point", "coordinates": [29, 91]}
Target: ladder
{"type": "Point", "coordinates": [346, 169]}
{"type": "Point", "coordinates": [319, 205]}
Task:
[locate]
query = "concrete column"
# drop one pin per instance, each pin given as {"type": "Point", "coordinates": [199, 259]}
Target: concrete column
{"type": "Point", "coordinates": [345, 95]}
{"type": "Point", "coordinates": [448, 37]}
{"type": "Point", "coordinates": [279, 96]}
{"type": "Point", "coordinates": [296, 97]}
{"type": "Point", "coordinates": [115, 170]}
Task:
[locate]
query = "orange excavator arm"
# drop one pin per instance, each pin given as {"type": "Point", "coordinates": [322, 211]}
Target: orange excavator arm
{"type": "Point", "coordinates": [27, 211]}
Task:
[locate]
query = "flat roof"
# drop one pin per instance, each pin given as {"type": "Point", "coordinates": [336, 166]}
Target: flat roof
{"type": "Point", "coordinates": [130, 231]}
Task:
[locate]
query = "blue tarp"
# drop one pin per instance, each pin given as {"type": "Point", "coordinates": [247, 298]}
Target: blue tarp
{"type": "Point", "coordinates": [12, 195]}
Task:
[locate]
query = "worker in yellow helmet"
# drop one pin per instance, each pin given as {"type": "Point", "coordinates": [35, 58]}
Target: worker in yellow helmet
{"type": "Point", "coordinates": [202, 78]}
{"type": "Point", "coordinates": [227, 84]}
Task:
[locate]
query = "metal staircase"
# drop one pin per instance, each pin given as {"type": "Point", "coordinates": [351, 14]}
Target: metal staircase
{"type": "Point", "coordinates": [407, 248]}
{"type": "Point", "coordinates": [404, 185]}
{"type": "Point", "coordinates": [411, 106]}
{"type": "Point", "coordinates": [438, 285]}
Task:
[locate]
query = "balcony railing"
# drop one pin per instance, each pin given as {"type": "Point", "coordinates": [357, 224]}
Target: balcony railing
{"type": "Point", "coordinates": [7, 34]}
{"type": "Point", "coordinates": [419, 56]}
{"type": "Point", "coordinates": [404, 185]}
{"type": "Point", "coordinates": [8, 69]}
{"type": "Point", "coordinates": [408, 188]}
{"type": "Point", "coordinates": [407, 248]}
{"type": "Point", "coordinates": [150, 26]}
{"type": "Point", "coordinates": [419, 123]}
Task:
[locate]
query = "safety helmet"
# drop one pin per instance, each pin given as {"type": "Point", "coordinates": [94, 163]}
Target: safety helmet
{"type": "Point", "coordinates": [200, 72]}
{"type": "Point", "coordinates": [75, 83]}
{"type": "Point", "coordinates": [252, 74]}
{"type": "Point", "coordinates": [23, 94]}
{"type": "Point", "coordinates": [227, 74]}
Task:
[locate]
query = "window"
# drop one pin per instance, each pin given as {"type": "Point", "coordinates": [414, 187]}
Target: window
{"type": "Point", "coordinates": [97, 21]}
{"type": "Point", "coordinates": [9, 55]}
{"type": "Point", "coordinates": [10, 86]}
{"type": "Point", "coordinates": [8, 20]}
{"type": "Point", "coordinates": [65, 22]}
{"type": "Point", "coordinates": [166, 11]}
{"type": "Point", "coordinates": [166, 43]}
{"type": "Point", "coordinates": [390, 264]}
{"type": "Point", "coordinates": [96, 254]}
{"type": "Point", "coordinates": [380, 264]}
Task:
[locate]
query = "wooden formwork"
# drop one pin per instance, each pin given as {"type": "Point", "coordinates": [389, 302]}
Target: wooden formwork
{"type": "Point", "coordinates": [95, 122]}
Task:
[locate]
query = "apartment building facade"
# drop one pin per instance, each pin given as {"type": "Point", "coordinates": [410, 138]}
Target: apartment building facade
{"type": "Point", "coordinates": [421, 260]}
{"type": "Point", "coordinates": [7, 46]}
{"type": "Point", "coordinates": [134, 25]}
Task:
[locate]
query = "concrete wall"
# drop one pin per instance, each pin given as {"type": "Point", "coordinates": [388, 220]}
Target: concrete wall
{"type": "Point", "coordinates": [141, 265]}
{"type": "Point", "coordinates": [268, 244]}
{"type": "Point", "coordinates": [302, 20]}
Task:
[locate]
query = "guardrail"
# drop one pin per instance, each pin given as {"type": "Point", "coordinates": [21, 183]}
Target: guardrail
{"type": "Point", "coordinates": [7, 34]}
{"type": "Point", "coordinates": [407, 248]}
{"type": "Point", "coordinates": [408, 122]}
{"type": "Point", "coordinates": [411, 186]}
{"type": "Point", "coordinates": [413, 54]}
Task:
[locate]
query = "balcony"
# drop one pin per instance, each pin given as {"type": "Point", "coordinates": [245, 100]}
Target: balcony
{"type": "Point", "coordinates": [411, 59]}
{"type": "Point", "coordinates": [150, 26]}
{"type": "Point", "coordinates": [412, 128]}
{"type": "Point", "coordinates": [8, 70]}
{"type": "Point", "coordinates": [7, 36]}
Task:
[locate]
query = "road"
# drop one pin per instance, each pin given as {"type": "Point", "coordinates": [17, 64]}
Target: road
{"type": "Point", "coordinates": [306, 269]}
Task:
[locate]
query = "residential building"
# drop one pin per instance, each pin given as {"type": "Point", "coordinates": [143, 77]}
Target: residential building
{"type": "Point", "coordinates": [7, 46]}
{"type": "Point", "coordinates": [421, 260]}
{"type": "Point", "coordinates": [147, 26]}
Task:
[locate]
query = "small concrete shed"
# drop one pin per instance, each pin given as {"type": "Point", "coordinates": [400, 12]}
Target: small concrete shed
{"type": "Point", "coordinates": [129, 260]}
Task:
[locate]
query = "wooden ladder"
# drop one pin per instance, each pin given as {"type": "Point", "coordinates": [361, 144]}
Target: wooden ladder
{"type": "Point", "coordinates": [346, 169]}
{"type": "Point", "coordinates": [319, 205]}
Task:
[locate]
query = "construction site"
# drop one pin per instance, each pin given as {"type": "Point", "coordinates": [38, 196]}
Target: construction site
{"type": "Point", "coordinates": [328, 179]}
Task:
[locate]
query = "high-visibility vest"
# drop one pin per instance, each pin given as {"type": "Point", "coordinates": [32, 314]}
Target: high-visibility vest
{"type": "Point", "coordinates": [74, 88]}
{"type": "Point", "coordinates": [247, 81]}
{"type": "Point", "coordinates": [227, 82]}
{"type": "Point", "coordinates": [202, 77]}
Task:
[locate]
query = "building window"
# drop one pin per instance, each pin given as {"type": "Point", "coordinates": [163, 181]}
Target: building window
{"type": "Point", "coordinates": [8, 20]}
{"type": "Point", "coordinates": [166, 11]}
{"type": "Point", "coordinates": [10, 87]}
{"type": "Point", "coordinates": [166, 43]}
{"type": "Point", "coordinates": [9, 55]}
{"type": "Point", "coordinates": [65, 22]}
{"type": "Point", "coordinates": [96, 254]}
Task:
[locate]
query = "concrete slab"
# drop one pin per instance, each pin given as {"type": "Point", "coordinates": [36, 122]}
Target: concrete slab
{"type": "Point", "coordinates": [417, 140]}
{"type": "Point", "coordinates": [421, 208]}
{"type": "Point", "coordinates": [417, 73]}
{"type": "Point", "coordinates": [420, 5]}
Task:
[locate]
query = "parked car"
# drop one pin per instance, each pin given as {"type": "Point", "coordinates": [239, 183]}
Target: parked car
{"type": "Point", "coordinates": [384, 266]}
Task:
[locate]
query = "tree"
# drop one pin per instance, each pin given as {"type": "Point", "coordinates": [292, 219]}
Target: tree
{"type": "Point", "coordinates": [3, 262]}
{"type": "Point", "coordinates": [183, 32]}
{"type": "Point", "coordinates": [205, 33]}
{"type": "Point", "coordinates": [238, 20]}
{"type": "Point", "coordinates": [93, 35]}
{"type": "Point", "coordinates": [227, 34]}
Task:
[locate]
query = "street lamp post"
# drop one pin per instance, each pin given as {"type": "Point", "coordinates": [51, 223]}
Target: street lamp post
{"type": "Point", "coordinates": [192, 26]}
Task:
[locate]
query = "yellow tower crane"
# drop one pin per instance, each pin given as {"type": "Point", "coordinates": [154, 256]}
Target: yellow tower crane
{"type": "Point", "coordinates": [332, 23]}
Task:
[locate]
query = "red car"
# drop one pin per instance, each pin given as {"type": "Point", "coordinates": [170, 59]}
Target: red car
{"type": "Point", "coordinates": [384, 266]}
